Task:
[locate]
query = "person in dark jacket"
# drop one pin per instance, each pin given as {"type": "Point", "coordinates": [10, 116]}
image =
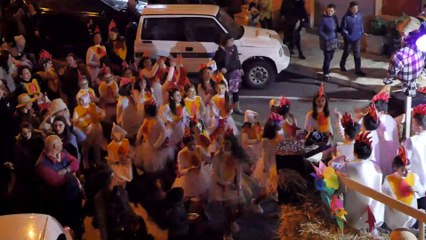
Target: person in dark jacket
{"type": "Point", "coordinates": [352, 31]}
{"type": "Point", "coordinates": [7, 130]}
{"type": "Point", "coordinates": [328, 36]}
{"type": "Point", "coordinates": [293, 13]}
{"type": "Point", "coordinates": [228, 62]}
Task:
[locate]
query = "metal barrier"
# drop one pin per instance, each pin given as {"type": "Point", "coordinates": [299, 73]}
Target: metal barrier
{"type": "Point", "coordinates": [420, 215]}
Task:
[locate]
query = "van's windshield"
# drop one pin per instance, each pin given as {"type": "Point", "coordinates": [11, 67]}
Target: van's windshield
{"type": "Point", "coordinates": [231, 26]}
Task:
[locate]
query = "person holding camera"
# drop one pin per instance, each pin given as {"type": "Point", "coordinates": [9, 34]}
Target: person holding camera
{"type": "Point", "coordinates": [329, 42]}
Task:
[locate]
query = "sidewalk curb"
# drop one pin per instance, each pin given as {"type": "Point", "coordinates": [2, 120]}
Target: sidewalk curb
{"type": "Point", "coordinates": [303, 71]}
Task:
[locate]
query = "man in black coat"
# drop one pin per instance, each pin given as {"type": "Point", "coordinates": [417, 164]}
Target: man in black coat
{"type": "Point", "coordinates": [293, 13]}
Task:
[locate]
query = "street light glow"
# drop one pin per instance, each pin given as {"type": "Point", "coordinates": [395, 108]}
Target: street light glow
{"type": "Point", "coordinates": [421, 43]}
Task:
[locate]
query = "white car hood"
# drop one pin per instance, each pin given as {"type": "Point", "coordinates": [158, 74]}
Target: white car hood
{"type": "Point", "coordinates": [258, 37]}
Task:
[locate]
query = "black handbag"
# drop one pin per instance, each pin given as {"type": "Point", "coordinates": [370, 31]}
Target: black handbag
{"type": "Point", "coordinates": [332, 44]}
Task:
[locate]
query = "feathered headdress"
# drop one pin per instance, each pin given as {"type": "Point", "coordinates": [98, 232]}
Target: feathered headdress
{"type": "Point", "coordinates": [112, 25]}
{"type": "Point", "coordinates": [203, 66]}
{"type": "Point", "coordinates": [321, 90]}
{"type": "Point", "coordinates": [273, 116]}
{"type": "Point", "coordinates": [419, 110]}
{"type": "Point", "coordinates": [45, 56]}
{"type": "Point", "coordinates": [363, 137]}
{"type": "Point", "coordinates": [284, 101]}
{"type": "Point", "coordinates": [403, 155]}
{"type": "Point", "coordinates": [124, 81]}
{"type": "Point", "coordinates": [372, 111]}
{"type": "Point", "coordinates": [347, 119]}
{"type": "Point", "coordinates": [381, 96]}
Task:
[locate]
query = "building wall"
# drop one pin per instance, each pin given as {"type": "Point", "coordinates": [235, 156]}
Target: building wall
{"type": "Point", "coordinates": [397, 7]}
{"type": "Point", "coordinates": [366, 7]}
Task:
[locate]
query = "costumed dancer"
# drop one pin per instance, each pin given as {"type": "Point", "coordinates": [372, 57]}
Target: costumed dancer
{"type": "Point", "coordinates": [48, 75]}
{"type": "Point", "coordinates": [83, 83]}
{"type": "Point", "coordinates": [222, 109]}
{"type": "Point", "coordinates": [152, 141]}
{"type": "Point", "coordinates": [176, 78]}
{"type": "Point", "coordinates": [120, 153]}
{"type": "Point", "coordinates": [265, 172]}
{"type": "Point", "coordinates": [206, 90]}
{"type": "Point", "coordinates": [202, 138]}
{"type": "Point", "coordinates": [193, 103]}
{"type": "Point", "coordinates": [404, 186]}
{"type": "Point", "coordinates": [361, 208]}
{"type": "Point", "coordinates": [370, 123]}
{"type": "Point", "coordinates": [87, 117]}
{"type": "Point", "coordinates": [116, 48]}
{"type": "Point", "coordinates": [349, 130]}
{"type": "Point", "coordinates": [176, 117]}
{"type": "Point", "coordinates": [153, 74]}
{"type": "Point", "coordinates": [226, 186]}
{"type": "Point", "coordinates": [319, 117]}
{"type": "Point", "coordinates": [289, 124]}
{"type": "Point", "coordinates": [94, 56]}
{"type": "Point", "coordinates": [128, 116]}
{"type": "Point", "coordinates": [193, 173]}
{"type": "Point", "coordinates": [108, 93]}
{"type": "Point", "coordinates": [387, 132]}
{"type": "Point", "coordinates": [251, 135]}
{"type": "Point", "coordinates": [416, 147]}
{"type": "Point", "coordinates": [28, 83]}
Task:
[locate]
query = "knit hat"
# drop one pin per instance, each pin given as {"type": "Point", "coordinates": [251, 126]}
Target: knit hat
{"type": "Point", "coordinates": [55, 106]}
{"type": "Point", "coordinates": [24, 99]}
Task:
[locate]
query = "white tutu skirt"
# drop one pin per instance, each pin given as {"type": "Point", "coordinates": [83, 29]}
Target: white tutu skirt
{"type": "Point", "coordinates": [196, 183]}
{"type": "Point", "coordinates": [150, 159]}
{"type": "Point", "coordinates": [266, 180]}
{"type": "Point", "coordinates": [176, 133]}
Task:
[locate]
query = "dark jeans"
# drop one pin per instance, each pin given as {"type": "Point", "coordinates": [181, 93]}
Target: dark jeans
{"type": "Point", "coordinates": [292, 35]}
{"type": "Point", "coordinates": [328, 56]}
{"type": "Point", "coordinates": [356, 49]}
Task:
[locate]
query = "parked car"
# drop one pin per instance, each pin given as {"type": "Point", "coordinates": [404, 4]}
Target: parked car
{"type": "Point", "coordinates": [195, 31]}
{"type": "Point", "coordinates": [65, 24]}
{"type": "Point", "coordinates": [32, 227]}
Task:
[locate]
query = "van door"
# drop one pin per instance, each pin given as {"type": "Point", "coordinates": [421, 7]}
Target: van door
{"type": "Point", "coordinates": [159, 36]}
{"type": "Point", "coordinates": [202, 37]}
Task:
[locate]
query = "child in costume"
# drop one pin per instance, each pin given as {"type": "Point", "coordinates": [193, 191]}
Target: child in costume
{"type": "Point", "coordinates": [387, 132]}
{"type": "Point", "coordinates": [48, 75]}
{"type": "Point", "coordinates": [154, 74]}
{"type": "Point", "coordinates": [416, 147]}
{"type": "Point", "coordinates": [128, 116]}
{"type": "Point", "coordinates": [202, 138]}
{"type": "Point", "coordinates": [364, 171]}
{"type": "Point", "coordinates": [176, 116]}
{"type": "Point", "coordinates": [152, 141]}
{"type": "Point", "coordinates": [251, 135]}
{"type": "Point", "coordinates": [120, 153]}
{"type": "Point", "coordinates": [371, 122]}
{"type": "Point", "coordinates": [289, 124]}
{"type": "Point", "coordinates": [29, 84]}
{"type": "Point", "coordinates": [83, 83]}
{"type": "Point", "coordinates": [266, 168]}
{"type": "Point", "coordinates": [222, 109]}
{"type": "Point", "coordinates": [404, 186]}
{"type": "Point", "coordinates": [206, 90]}
{"type": "Point", "coordinates": [94, 55]}
{"type": "Point", "coordinates": [226, 186]}
{"type": "Point", "coordinates": [193, 103]}
{"type": "Point", "coordinates": [349, 130]}
{"type": "Point", "coordinates": [87, 117]}
{"type": "Point", "coordinates": [108, 93]}
{"type": "Point", "coordinates": [193, 174]}
{"type": "Point", "coordinates": [319, 117]}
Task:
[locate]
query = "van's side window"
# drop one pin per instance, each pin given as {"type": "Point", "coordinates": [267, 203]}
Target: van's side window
{"type": "Point", "coordinates": [165, 29]}
{"type": "Point", "coordinates": [202, 29]}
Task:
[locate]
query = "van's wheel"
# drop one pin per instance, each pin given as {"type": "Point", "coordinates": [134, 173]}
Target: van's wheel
{"type": "Point", "coordinates": [258, 74]}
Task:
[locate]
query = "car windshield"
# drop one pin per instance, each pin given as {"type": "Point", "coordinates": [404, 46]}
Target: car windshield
{"type": "Point", "coordinates": [231, 26]}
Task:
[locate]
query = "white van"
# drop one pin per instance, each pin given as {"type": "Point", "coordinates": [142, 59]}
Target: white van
{"type": "Point", "coordinates": [195, 31]}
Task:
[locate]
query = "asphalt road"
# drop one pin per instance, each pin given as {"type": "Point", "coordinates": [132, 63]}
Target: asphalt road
{"type": "Point", "coordinates": [300, 91]}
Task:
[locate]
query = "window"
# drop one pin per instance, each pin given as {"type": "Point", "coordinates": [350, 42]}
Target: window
{"type": "Point", "coordinates": [165, 29]}
{"type": "Point", "coordinates": [202, 29]}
